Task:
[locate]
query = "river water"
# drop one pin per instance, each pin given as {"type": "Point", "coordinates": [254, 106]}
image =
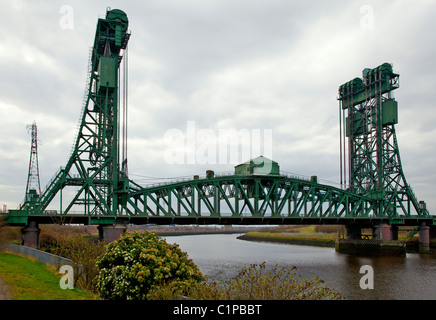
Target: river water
{"type": "Point", "coordinates": [223, 256]}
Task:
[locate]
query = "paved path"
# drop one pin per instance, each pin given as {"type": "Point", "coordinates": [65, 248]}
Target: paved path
{"type": "Point", "coordinates": [4, 293]}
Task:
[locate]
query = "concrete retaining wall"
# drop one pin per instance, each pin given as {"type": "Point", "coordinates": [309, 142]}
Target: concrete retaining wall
{"type": "Point", "coordinates": [371, 247]}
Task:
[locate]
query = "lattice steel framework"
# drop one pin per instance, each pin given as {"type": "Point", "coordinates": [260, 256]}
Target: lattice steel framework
{"type": "Point", "coordinates": [373, 159]}
{"type": "Point", "coordinates": [94, 170]}
{"type": "Point", "coordinates": [33, 187]}
{"type": "Point", "coordinates": [239, 196]}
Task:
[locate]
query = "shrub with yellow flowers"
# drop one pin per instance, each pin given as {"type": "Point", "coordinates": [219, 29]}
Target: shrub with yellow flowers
{"type": "Point", "coordinates": [136, 263]}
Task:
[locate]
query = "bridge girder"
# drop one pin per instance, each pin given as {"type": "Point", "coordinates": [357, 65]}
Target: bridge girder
{"type": "Point", "coordinates": [248, 196]}
{"type": "Point", "coordinates": [237, 199]}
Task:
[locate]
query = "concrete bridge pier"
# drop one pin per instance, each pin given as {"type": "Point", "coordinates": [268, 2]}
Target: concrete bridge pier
{"type": "Point", "coordinates": [394, 232]}
{"type": "Point", "coordinates": [109, 233]}
{"type": "Point", "coordinates": [385, 232]}
{"type": "Point", "coordinates": [379, 232]}
{"type": "Point", "coordinates": [30, 235]}
{"type": "Point", "coordinates": [432, 236]}
{"type": "Point", "coordinates": [353, 232]}
{"type": "Point", "coordinates": [424, 239]}
{"type": "Point", "coordinates": [386, 241]}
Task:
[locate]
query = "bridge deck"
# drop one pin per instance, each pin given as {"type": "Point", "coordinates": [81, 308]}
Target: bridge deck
{"type": "Point", "coordinates": [243, 200]}
{"type": "Point", "coordinates": [221, 220]}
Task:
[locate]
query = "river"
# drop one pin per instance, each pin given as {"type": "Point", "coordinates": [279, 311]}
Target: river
{"type": "Point", "coordinates": [395, 278]}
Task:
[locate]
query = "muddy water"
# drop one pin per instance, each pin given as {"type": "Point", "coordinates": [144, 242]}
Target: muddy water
{"type": "Point", "coordinates": [223, 256]}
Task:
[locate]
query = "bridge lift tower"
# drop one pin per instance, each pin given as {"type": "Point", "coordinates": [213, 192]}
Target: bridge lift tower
{"type": "Point", "coordinates": [368, 115]}
{"type": "Point", "coordinates": [95, 176]}
{"type": "Point", "coordinates": [96, 171]}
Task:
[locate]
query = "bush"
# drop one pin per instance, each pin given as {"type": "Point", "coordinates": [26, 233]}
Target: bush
{"type": "Point", "coordinates": [9, 234]}
{"type": "Point", "coordinates": [79, 246]}
{"type": "Point", "coordinates": [136, 263]}
{"type": "Point", "coordinates": [83, 252]}
{"type": "Point", "coordinates": [254, 282]}
{"type": "Point", "coordinates": [278, 283]}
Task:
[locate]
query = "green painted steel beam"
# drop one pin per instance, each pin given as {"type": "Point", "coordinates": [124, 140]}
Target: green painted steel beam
{"type": "Point", "coordinates": [94, 169]}
{"type": "Point", "coordinates": [254, 196]}
{"type": "Point", "coordinates": [373, 158]}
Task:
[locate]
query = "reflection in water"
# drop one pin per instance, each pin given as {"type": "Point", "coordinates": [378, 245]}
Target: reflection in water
{"type": "Point", "coordinates": [223, 256]}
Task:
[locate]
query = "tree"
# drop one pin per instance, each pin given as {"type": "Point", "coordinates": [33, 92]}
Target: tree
{"type": "Point", "coordinates": [131, 266]}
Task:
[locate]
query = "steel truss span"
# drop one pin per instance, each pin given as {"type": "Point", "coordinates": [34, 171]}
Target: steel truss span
{"type": "Point", "coordinates": [261, 197]}
{"type": "Point", "coordinates": [247, 196]}
{"type": "Point", "coordinates": [242, 200]}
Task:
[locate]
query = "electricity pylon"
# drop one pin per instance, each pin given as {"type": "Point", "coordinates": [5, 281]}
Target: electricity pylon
{"type": "Point", "coordinates": [33, 188]}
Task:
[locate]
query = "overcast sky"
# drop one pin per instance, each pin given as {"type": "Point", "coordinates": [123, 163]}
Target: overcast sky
{"type": "Point", "coordinates": [269, 67]}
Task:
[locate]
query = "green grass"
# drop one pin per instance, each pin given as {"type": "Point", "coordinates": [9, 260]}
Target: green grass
{"type": "Point", "coordinates": [29, 279]}
{"type": "Point", "coordinates": [328, 237]}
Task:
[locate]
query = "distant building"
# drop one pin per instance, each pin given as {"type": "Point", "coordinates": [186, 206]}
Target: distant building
{"type": "Point", "coordinates": [258, 166]}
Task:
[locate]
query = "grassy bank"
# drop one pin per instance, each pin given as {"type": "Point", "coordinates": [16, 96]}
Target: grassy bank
{"type": "Point", "coordinates": [312, 239]}
{"type": "Point", "coordinates": [29, 279]}
{"type": "Point", "coordinates": [324, 240]}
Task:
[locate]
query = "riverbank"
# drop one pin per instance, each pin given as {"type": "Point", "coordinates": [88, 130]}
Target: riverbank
{"type": "Point", "coordinates": [193, 233]}
{"type": "Point", "coordinates": [312, 239]}
{"type": "Point", "coordinates": [28, 279]}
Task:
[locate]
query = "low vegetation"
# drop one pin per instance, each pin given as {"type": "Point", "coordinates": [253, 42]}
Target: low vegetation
{"type": "Point", "coordinates": [144, 266]}
{"type": "Point", "coordinates": [254, 282]}
{"type": "Point", "coordinates": [136, 263]}
{"type": "Point", "coordinates": [327, 239]}
{"type": "Point", "coordinates": [304, 229]}
{"type": "Point", "coordinates": [28, 279]}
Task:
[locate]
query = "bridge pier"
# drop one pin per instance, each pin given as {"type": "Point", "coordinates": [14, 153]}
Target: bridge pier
{"type": "Point", "coordinates": [424, 239]}
{"type": "Point", "coordinates": [433, 237]}
{"type": "Point", "coordinates": [109, 233]}
{"type": "Point", "coordinates": [379, 232]}
{"type": "Point", "coordinates": [385, 232]}
{"type": "Point", "coordinates": [384, 241]}
{"type": "Point", "coordinates": [353, 232]}
{"type": "Point", "coordinates": [394, 232]}
{"type": "Point", "coordinates": [30, 235]}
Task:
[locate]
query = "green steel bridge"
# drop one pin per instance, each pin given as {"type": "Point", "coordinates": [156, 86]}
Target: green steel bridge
{"type": "Point", "coordinates": [373, 186]}
{"type": "Point", "coordinates": [230, 199]}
